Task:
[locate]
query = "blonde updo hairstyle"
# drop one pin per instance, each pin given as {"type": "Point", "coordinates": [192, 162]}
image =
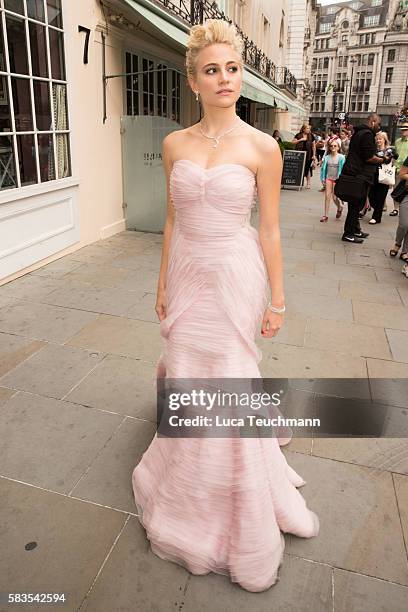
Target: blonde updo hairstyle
{"type": "Point", "coordinates": [211, 32]}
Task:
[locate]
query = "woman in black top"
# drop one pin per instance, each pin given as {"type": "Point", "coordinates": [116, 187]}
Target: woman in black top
{"type": "Point", "coordinates": [305, 141]}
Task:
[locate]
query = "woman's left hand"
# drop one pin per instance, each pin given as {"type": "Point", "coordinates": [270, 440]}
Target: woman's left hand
{"type": "Point", "coordinates": [271, 323]}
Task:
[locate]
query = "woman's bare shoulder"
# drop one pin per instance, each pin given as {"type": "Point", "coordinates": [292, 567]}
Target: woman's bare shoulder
{"type": "Point", "coordinates": [175, 139]}
{"type": "Point", "coordinates": [264, 142]}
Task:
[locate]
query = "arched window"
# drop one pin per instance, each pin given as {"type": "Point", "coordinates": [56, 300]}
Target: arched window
{"type": "Point", "coordinates": [282, 32]}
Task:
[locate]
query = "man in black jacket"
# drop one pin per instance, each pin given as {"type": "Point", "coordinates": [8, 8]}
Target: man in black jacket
{"type": "Point", "coordinates": [361, 162]}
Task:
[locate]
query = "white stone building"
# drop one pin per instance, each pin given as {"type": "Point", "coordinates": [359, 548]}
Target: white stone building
{"type": "Point", "coordinates": [301, 33]}
{"type": "Point", "coordinates": [88, 91]}
{"type": "Point", "coordinates": [359, 61]}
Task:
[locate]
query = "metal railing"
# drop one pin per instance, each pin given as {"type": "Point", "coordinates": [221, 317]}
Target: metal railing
{"type": "Point", "coordinates": [197, 11]}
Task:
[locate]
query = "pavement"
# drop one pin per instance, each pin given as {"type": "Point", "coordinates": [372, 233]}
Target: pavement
{"type": "Point", "coordinates": [78, 343]}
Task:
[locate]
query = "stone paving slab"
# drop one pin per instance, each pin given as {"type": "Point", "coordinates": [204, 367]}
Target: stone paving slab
{"type": "Point", "coordinates": [376, 259]}
{"type": "Point", "coordinates": [109, 480]}
{"type": "Point", "coordinates": [360, 524]}
{"type": "Point", "coordinates": [120, 385]}
{"type": "Point", "coordinates": [107, 300]}
{"type": "Point", "coordinates": [344, 272]}
{"type": "Point", "coordinates": [357, 593]}
{"type": "Point", "coordinates": [52, 371]}
{"type": "Point", "coordinates": [133, 578]}
{"type": "Point", "coordinates": [388, 454]}
{"type": "Point", "coordinates": [5, 394]}
{"type": "Point", "coordinates": [325, 307]}
{"type": "Point", "coordinates": [54, 544]}
{"type": "Point", "coordinates": [398, 341]}
{"type": "Point", "coordinates": [120, 336]}
{"type": "Point", "coordinates": [316, 286]}
{"type": "Point", "coordinates": [298, 362]}
{"type": "Point", "coordinates": [403, 291]}
{"type": "Point", "coordinates": [32, 287]}
{"type": "Point", "coordinates": [368, 313]}
{"type": "Point", "coordinates": [56, 268]}
{"type": "Point", "coordinates": [42, 321]}
{"type": "Point", "coordinates": [347, 338]}
{"type": "Point", "coordinates": [293, 333]}
{"type": "Point", "coordinates": [401, 490]}
{"type": "Point", "coordinates": [368, 292]}
{"type": "Point", "coordinates": [15, 349]}
{"type": "Point", "coordinates": [388, 381]}
{"type": "Point", "coordinates": [50, 443]}
{"type": "Point", "coordinates": [301, 583]}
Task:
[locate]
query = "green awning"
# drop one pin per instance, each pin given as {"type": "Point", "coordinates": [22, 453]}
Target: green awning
{"type": "Point", "coordinates": [160, 19]}
{"type": "Point", "coordinates": [253, 86]}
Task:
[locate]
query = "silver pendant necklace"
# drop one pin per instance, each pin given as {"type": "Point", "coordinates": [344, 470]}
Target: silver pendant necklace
{"type": "Point", "coordinates": [217, 138]}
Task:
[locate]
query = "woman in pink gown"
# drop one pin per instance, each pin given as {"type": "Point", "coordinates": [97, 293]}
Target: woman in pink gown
{"type": "Point", "coordinates": [219, 504]}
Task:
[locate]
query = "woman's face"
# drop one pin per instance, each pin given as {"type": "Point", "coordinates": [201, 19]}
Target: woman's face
{"type": "Point", "coordinates": [380, 141]}
{"type": "Point", "coordinates": [334, 147]}
{"type": "Point", "coordinates": [217, 68]}
{"type": "Point", "coordinates": [307, 129]}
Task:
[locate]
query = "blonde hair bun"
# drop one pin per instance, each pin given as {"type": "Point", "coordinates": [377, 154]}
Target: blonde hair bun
{"type": "Point", "coordinates": [211, 32]}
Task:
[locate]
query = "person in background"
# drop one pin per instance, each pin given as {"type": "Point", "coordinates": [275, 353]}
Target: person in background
{"type": "Point", "coordinates": [378, 192]}
{"type": "Point", "coordinates": [361, 163]}
{"type": "Point", "coordinates": [333, 136]}
{"type": "Point", "coordinates": [401, 238]}
{"type": "Point", "coordinates": [320, 148]}
{"type": "Point", "coordinates": [345, 142]}
{"type": "Point", "coordinates": [401, 148]}
{"type": "Point", "coordinates": [331, 169]}
{"type": "Point", "coordinates": [276, 135]}
{"type": "Point", "coordinates": [304, 141]}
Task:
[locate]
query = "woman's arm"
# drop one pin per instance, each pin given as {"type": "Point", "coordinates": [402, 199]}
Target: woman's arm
{"type": "Point", "coordinates": [168, 228]}
{"type": "Point", "coordinates": [268, 186]}
{"type": "Point", "coordinates": [403, 173]}
{"type": "Point", "coordinates": [296, 140]}
{"type": "Point", "coordinates": [323, 169]}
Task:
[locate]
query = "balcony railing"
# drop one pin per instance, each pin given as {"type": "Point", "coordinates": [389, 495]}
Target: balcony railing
{"type": "Point", "coordinates": [197, 11]}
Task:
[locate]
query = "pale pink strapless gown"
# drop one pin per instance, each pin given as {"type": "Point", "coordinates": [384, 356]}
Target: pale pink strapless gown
{"type": "Point", "coordinates": [217, 504]}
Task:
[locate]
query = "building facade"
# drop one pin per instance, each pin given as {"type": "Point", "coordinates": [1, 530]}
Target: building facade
{"type": "Point", "coordinates": [88, 91]}
{"type": "Point", "coordinates": [301, 34]}
{"type": "Point", "coordinates": [358, 61]}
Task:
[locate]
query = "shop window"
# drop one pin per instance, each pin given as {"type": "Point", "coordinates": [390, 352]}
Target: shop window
{"type": "Point", "coordinates": [35, 134]}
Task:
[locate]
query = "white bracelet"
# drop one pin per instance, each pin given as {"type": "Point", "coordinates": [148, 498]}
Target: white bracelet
{"type": "Point", "coordinates": [275, 309]}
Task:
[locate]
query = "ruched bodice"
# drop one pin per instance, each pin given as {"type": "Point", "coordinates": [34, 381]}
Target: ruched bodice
{"type": "Point", "coordinates": [205, 208]}
{"type": "Point", "coordinates": [213, 244]}
{"type": "Point", "coordinates": [214, 504]}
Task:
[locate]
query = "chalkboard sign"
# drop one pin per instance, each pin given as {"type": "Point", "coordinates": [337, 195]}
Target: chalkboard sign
{"type": "Point", "coordinates": [293, 168]}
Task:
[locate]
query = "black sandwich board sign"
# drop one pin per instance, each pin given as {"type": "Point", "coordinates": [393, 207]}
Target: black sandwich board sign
{"type": "Point", "coordinates": [293, 168]}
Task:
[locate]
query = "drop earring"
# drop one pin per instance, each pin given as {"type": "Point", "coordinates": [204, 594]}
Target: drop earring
{"type": "Point", "coordinates": [196, 93]}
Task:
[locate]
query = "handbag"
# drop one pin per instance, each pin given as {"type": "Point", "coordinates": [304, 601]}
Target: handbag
{"type": "Point", "coordinates": [386, 175]}
{"type": "Point", "coordinates": [400, 191]}
{"type": "Point", "coordinates": [350, 188]}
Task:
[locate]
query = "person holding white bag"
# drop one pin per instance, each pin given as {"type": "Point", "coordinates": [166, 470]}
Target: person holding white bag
{"type": "Point", "coordinates": [384, 177]}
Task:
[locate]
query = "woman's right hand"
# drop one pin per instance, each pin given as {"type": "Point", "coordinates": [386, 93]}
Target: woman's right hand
{"type": "Point", "coordinates": [160, 307]}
